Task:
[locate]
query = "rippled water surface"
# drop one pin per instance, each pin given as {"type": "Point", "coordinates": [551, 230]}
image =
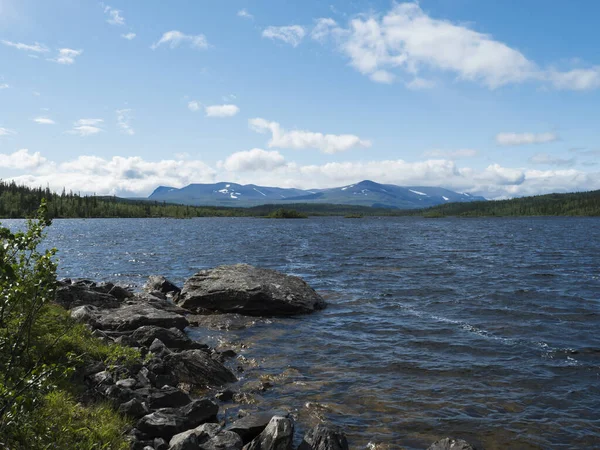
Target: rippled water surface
{"type": "Point", "coordinates": [485, 329]}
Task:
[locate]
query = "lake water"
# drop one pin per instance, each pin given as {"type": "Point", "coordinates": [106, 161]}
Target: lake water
{"type": "Point", "coordinates": [484, 329]}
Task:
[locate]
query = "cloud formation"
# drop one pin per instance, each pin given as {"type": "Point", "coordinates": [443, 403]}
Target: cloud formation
{"type": "Point", "coordinates": [36, 47]}
{"type": "Point", "coordinates": [253, 160]}
{"type": "Point", "coordinates": [66, 56]}
{"type": "Point", "coordinates": [299, 139]}
{"type": "Point", "coordinates": [245, 14]}
{"type": "Point", "coordinates": [6, 132]}
{"type": "Point", "coordinates": [129, 36]}
{"type": "Point", "coordinates": [405, 42]}
{"type": "Point", "coordinates": [221, 110]}
{"type": "Point", "coordinates": [451, 154]}
{"type": "Point", "coordinates": [194, 105]}
{"type": "Point", "coordinates": [44, 121]}
{"type": "Point", "coordinates": [525, 138]}
{"type": "Point", "coordinates": [114, 16]}
{"type": "Point", "coordinates": [124, 121]}
{"type": "Point", "coordinates": [175, 38]}
{"type": "Point", "coordinates": [546, 159]}
{"type": "Point", "coordinates": [22, 160]}
{"type": "Point", "coordinates": [87, 127]}
{"type": "Point", "coordinates": [291, 34]}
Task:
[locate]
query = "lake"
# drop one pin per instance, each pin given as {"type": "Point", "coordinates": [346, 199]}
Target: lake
{"type": "Point", "coordinates": [483, 329]}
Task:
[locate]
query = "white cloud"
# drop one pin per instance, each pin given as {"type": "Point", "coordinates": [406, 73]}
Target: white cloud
{"type": "Point", "coordinates": [194, 105]}
{"type": "Point", "coordinates": [298, 139]}
{"type": "Point", "coordinates": [577, 79]}
{"type": "Point", "coordinates": [292, 34]}
{"type": "Point", "coordinates": [36, 47]}
{"type": "Point", "coordinates": [253, 160]}
{"type": "Point", "coordinates": [129, 36]}
{"type": "Point", "coordinates": [7, 132]}
{"type": "Point", "coordinates": [175, 38]}
{"type": "Point", "coordinates": [451, 154]}
{"type": "Point", "coordinates": [44, 121]}
{"type": "Point", "coordinates": [87, 127]}
{"type": "Point", "coordinates": [114, 16]}
{"type": "Point", "coordinates": [245, 14]}
{"type": "Point", "coordinates": [21, 160]}
{"type": "Point", "coordinates": [135, 176]}
{"type": "Point", "coordinates": [525, 138]}
{"type": "Point", "coordinates": [66, 56]}
{"type": "Point", "coordinates": [124, 121]}
{"type": "Point", "coordinates": [410, 42]}
{"type": "Point", "coordinates": [221, 110]}
{"type": "Point", "coordinates": [546, 159]}
{"type": "Point", "coordinates": [418, 83]}
{"type": "Point", "coordinates": [4, 86]}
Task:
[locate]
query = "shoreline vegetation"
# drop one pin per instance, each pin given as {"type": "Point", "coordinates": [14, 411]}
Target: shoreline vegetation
{"type": "Point", "coordinates": [21, 202]}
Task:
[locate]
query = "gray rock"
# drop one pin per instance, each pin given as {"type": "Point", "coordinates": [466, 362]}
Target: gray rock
{"type": "Point", "coordinates": [71, 296]}
{"type": "Point", "coordinates": [160, 444]}
{"type": "Point", "coordinates": [103, 377]}
{"type": "Point", "coordinates": [127, 383]}
{"type": "Point", "coordinates": [250, 426]}
{"type": "Point", "coordinates": [120, 293]}
{"type": "Point", "coordinates": [278, 435]}
{"type": "Point", "coordinates": [167, 422]}
{"type": "Point", "coordinates": [450, 444]}
{"type": "Point", "coordinates": [129, 317]}
{"type": "Point", "coordinates": [249, 290]}
{"type": "Point", "coordinates": [224, 440]}
{"type": "Point", "coordinates": [197, 368]}
{"type": "Point", "coordinates": [134, 408]}
{"type": "Point", "coordinates": [323, 437]}
{"type": "Point", "coordinates": [206, 437]}
{"type": "Point", "coordinates": [171, 337]}
{"type": "Point", "coordinates": [160, 284]}
{"type": "Point", "coordinates": [184, 441]}
{"type": "Point", "coordinates": [166, 397]}
{"type": "Point", "coordinates": [159, 349]}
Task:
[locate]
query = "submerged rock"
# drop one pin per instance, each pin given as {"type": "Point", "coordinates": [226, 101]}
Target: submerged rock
{"type": "Point", "coordinates": [323, 437]}
{"type": "Point", "coordinates": [450, 444]}
{"type": "Point", "coordinates": [249, 290]}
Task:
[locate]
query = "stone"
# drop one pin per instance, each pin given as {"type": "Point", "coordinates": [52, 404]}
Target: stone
{"type": "Point", "coordinates": [224, 440]}
{"type": "Point", "coordinates": [120, 293]}
{"type": "Point", "coordinates": [134, 408]}
{"type": "Point", "coordinates": [450, 444]}
{"type": "Point", "coordinates": [278, 435]}
{"type": "Point", "coordinates": [184, 441]}
{"type": "Point", "coordinates": [171, 337]}
{"type": "Point", "coordinates": [167, 422]}
{"type": "Point", "coordinates": [197, 368]}
{"type": "Point", "coordinates": [160, 284]}
{"type": "Point", "coordinates": [102, 378]}
{"type": "Point", "coordinates": [71, 296]}
{"type": "Point", "coordinates": [159, 349]}
{"type": "Point", "coordinates": [251, 426]}
{"type": "Point", "coordinates": [166, 397]}
{"type": "Point", "coordinates": [127, 383]}
{"type": "Point", "coordinates": [160, 444]}
{"type": "Point", "coordinates": [249, 290]}
{"type": "Point", "coordinates": [324, 437]}
{"type": "Point", "coordinates": [209, 436]}
{"type": "Point", "coordinates": [129, 317]}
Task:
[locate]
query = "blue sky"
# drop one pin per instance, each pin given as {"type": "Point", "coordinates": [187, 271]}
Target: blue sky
{"type": "Point", "coordinates": [493, 98]}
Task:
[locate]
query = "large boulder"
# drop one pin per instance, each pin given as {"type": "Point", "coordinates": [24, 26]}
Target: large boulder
{"type": "Point", "coordinates": [167, 422]}
{"type": "Point", "coordinates": [197, 368]}
{"type": "Point", "coordinates": [128, 317]}
{"type": "Point", "coordinates": [158, 283]}
{"type": "Point", "coordinates": [450, 444]}
{"type": "Point", "coordinates": [323, 437]}
{"type": "Point", "coordinates": [252, 425]}
{"type": "Point", "coordinates": [209, 436]}
{"type": "Point", "coordinates": [249, 290]}
{"type": "Point", "coordinates": [278, 435]}
{"type": "Point", "coordinates": [166, 397]}
{"type": "Point", "coordinates": [73, 295]}
{"type": "Point", "coordinates": [171, 337]}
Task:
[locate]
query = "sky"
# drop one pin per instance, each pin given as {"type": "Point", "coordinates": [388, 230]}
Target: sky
{"type": "Point", "coordinates": [498, 99]}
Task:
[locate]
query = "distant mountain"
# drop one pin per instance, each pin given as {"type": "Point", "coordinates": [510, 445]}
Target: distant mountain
{"type": "Point", "coordinates": [365, 193]}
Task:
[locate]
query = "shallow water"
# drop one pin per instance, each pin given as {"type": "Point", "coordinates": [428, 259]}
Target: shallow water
{"type": "Point", "coordinates": [485, 329]}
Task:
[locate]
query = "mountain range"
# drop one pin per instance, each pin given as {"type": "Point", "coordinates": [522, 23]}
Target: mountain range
{"type": "Point", "coordinates": [364, 193]}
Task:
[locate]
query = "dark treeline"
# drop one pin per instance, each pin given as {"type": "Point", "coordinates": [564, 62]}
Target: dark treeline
{"type": "Point", "coordinates": [573, 204]}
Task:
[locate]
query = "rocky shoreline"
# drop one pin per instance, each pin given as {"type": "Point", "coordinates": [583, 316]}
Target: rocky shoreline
{"type": "Point", "coordinates": [177, 388]}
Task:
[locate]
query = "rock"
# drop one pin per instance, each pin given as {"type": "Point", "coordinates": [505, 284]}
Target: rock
{"type": "Point", "coordinates": [120, 293]}
{"type": "Point", "coordinates": [159, 349]}
{"type": "Point", "coordinates": [143, 377]}
{"type": "Point", "coordinates": [224, 440]}
{"type": "Point", "coordinates": [71, 296]}
{"type": "Point", "coordinates": [127, 383]}
{"type": "Point", "coordinates": [323, 437]}
{"type": "Point", "coordinates": [197, 368]}
{"type": "Point", "coordinates": [251, 426]}
{"type": "Point", "coordinates": [166, 397]}
{"type": "Point", "coordinates": [278, 435]}
{"type": "Point", "coordinates": [167, 422]}
{"type": "Point", "coordinates": [171, 337]}
{"type": "Point", "coordinates": [249, 290]}
{"type": "Point", "coordinates": [160, 444]}
{"type": "Point", "coordinates": [102, 378]}
{"type": "Point", "coordinates": [184, 441]}
{"type": "Point", "coordinates": [450, 444]}
{"type": "Point", "coordinates": [129, 317]}
{"type": "Point", "coordinates": [134, 408]}
{"type": "Point", "coordinates": [159, 302]}
{"type": "Point", "coordinates": [225, 396]}
{"type": "Point", "coordinates": [161, 284]}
